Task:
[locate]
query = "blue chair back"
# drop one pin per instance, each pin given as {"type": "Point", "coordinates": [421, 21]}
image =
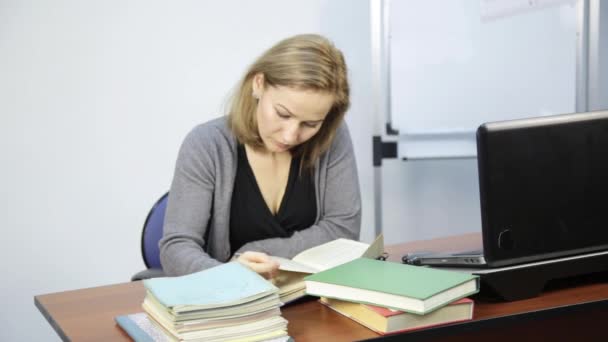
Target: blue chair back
{"type": "Point", "coordinates": [152, 233]}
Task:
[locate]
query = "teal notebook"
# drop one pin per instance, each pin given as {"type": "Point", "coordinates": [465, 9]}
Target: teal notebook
{"type": "Point", "coordinates": [224, 285]}
{"type": "Point", "coordinates": [402, 287]}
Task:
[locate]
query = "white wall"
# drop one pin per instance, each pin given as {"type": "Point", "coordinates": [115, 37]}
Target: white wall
{"type": "Point", "coordinates": [95, 98]}
{"type": "Point", "coordinates": [429, 198]}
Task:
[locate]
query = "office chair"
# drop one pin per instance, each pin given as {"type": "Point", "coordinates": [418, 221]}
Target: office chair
{"type": "Point", "coordinates": [151, 234]}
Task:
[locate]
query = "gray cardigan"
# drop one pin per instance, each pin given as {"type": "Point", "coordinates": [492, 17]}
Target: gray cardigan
{"type": "Point", "coordinates": [198, 212]}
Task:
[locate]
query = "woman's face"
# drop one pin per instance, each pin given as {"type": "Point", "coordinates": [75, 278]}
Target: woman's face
{"type": "Point", "coordinates": [288, 117]}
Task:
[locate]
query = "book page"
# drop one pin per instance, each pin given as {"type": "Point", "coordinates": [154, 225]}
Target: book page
{"type": "Point", "coordinates": [331, 254]}
{"type": "Point", "coordinates": [289, 281]}
{"type": "Point", "coordinates": [293, 266]}
{"type": "Point", "coordinates": [376, 249]}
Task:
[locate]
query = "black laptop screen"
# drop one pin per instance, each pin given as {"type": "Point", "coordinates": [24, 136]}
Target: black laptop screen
{"type": "Point", "coordinates": [543, 187]}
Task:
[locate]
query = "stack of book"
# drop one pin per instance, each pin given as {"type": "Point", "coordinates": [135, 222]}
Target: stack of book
{"type": "Point", "coordinates": [224, 303]}
{"type": "Point", "coordinates": [389, 297]}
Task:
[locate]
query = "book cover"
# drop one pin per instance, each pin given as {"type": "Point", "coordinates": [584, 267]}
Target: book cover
{"type": "Point", "coordinates": [140, 329]}
{"type": "Point", "coordinates": [224, 285]}
{"type": "Point", "coordinates": [413, 289]}
{"type": "Point", "coordinates": [387, 321]}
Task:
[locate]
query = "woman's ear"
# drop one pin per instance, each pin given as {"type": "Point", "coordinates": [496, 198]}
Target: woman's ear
{"type": "Point", "coordinates": [258, 85]}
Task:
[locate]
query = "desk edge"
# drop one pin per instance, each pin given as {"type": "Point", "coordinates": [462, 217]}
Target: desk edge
{"type": "Point", "coordinates": [50, 319]}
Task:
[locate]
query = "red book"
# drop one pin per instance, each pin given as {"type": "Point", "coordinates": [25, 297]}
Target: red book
{"type": "Point", "coordinates": [387, 321]}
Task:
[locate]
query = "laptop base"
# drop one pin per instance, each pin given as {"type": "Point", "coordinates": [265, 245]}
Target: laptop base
{"type": "Point", "coordinates": [457, 259]}
{"type": "Point", "coordinates": [528, 280]}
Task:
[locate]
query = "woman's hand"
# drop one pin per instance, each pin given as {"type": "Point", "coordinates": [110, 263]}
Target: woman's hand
{"type": "Point", "coordinates": [260, 263]}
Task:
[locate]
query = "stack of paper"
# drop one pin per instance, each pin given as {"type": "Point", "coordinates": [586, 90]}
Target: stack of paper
{"type": "Point", "coordinates": [224, 303]}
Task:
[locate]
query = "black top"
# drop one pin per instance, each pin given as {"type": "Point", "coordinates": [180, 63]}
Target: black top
{"type": "Point", "coordinates": [250, 217]}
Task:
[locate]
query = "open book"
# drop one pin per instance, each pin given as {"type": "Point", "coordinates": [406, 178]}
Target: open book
{"type": "Point", "coordinates": [290, 279]}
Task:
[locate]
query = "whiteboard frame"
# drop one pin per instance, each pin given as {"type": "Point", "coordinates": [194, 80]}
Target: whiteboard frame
{"type": "Point", "coordinates": [462, 144]}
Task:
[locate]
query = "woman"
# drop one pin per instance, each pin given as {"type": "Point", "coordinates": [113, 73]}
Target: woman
{"type": "Point", "coordinates": [276, 176]}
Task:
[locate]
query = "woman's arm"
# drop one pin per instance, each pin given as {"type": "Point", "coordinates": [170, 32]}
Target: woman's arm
{"type": "Point", "coordinates": [340, 209]}
{"type": "Point", "coordinates": [182, 248]}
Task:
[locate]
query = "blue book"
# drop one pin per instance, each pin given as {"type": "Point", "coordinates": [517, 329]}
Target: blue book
{"type": "Point", "coordinates": [224, 285]}
{"type": "Point", "coordinates": [140, 329]}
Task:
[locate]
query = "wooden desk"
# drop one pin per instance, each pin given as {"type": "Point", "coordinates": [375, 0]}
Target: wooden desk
{"type": "Point", "coordinates": [560, 313]}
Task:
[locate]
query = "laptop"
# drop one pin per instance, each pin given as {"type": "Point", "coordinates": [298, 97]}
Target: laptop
{"type": "Point", "coordinates": [543, 185]}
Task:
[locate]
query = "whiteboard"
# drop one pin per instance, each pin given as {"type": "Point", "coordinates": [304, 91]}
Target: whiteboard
{"type": "Point", "coordinates": [456, 64]}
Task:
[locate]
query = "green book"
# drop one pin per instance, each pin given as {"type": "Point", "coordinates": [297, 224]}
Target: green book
{"type": "Point", "coordinates": [413, 289]}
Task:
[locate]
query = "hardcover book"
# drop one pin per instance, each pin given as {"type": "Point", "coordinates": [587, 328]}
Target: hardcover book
{"type": "Point", "coordinates": [387, 321]}
{"type": "Point", "coordinates": [413, 289]}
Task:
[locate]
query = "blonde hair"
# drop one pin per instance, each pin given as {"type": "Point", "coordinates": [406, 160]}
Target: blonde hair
{"type": "Point", "coordinates": [303, 62]}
